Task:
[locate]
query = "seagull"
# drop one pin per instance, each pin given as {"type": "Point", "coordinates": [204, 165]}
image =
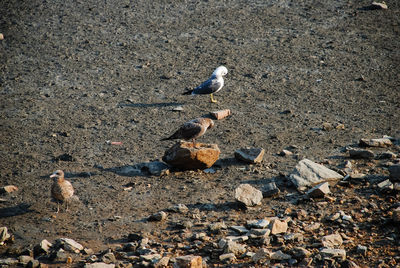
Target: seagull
{"type": "Point", "coordinates": [61, 190]}
{"type": "Point", "coordinates": [212, 85]}
{"type": "Point", "coordinates": [192, 129]}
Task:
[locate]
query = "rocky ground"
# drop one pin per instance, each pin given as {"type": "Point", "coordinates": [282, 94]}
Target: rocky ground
{"type": "Point", "coordinates": [91, 87]}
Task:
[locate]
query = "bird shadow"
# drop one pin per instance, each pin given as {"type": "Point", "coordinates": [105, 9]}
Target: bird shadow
{"type": "Point", "coordinates": [141, 169]}
{"type": "Point", "coordinates": [221, 207]}
{"type": "Point", "coordinates": [17, 210]}
{"type": "Point", "coordinates": [150, 105]}
{"type": "Point", "coordinates": [69, 175]}
{"type": "Point", "coordinates": [229, 161]}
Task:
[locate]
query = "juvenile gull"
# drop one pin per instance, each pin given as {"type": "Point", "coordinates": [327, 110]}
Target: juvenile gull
{"type": "Point", "coordinates": [212, 85]}
{"type": "Point", "coordinates": [61, 190]}
{"type": "Point", "coordinates": [192, 129]}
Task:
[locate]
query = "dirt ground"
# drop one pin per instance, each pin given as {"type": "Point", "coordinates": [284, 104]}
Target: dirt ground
{"type": "Point", "coordinates": [76, 74]}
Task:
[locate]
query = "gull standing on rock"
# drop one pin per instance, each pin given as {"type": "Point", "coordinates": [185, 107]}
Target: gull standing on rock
{"type": "Point", "coordinates": [192, 129]}
{"type": "Point", "coordinates": [61, 190]}
{"type": "Point", "coordinates": [212, 85]}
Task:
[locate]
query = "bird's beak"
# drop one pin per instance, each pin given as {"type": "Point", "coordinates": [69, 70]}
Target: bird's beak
{"type": "Point", "coordinates": [53, 175]}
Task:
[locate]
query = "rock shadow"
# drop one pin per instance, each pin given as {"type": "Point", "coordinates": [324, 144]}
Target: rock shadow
{"type": "Point", "coordinates": [141, 169]}
{"type": "Point", "coordinates": [150, 105]}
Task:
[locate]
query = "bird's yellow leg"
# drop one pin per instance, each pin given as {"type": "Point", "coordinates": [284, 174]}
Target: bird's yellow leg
{"type": "Point", "coordinates": [212, 98]}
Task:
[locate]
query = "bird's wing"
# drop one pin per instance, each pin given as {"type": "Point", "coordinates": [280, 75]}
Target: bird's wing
{"type": "Point", "coordinates": [188, 131]}
{"type": "Point", "coordinates": [208, 87]}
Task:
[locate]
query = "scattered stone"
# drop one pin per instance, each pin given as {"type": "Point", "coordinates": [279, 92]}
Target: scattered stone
{"type": "Point", "coordinates": [396, 215]}
{"type": "Point", "coordinates": [332, 241]}
{"type": "Point", "coordinates": [383, 142]}
{"type": "Point", "coordinates": [248, 195]}
{"type": "Point", "coordinates": [361, 153]}
{"type": "Point", "coordinates": [4, 235]}
{"type": "Point", "coordinates": [260, 232]}
{"type": "Point", "coordinates": [261, 254]}
{"type": "Point", "coordinates": [159, 216]}
{"type": "Point", "coordinates": [385, 185]}
{"type": "Point", "coordinates": [269, 189]}
{"type": "Point", "coordinates": [99, 265]}
{"type": "Point", "coordinates": [312, 227]}
{"type": "Point", "coordinates": [181, 208]}
{"type": "Point", "coordinates": [319, 191]}
{"type": "Point", "coordinates": [189, 261]}
{"type": "Point", "coordinates": [387, 155]}
{"type": "Point", "coordinates": [59, 256]}
{"type": "Point", "coordinates": [178, 108]}
{"type": "Point", "coordinates": [333, 253]}
{"type": "Point", "coordinates": [163, 262]}
{"type": "Point", "coordinates": [8, 189]}
{"type": "Point", "coordinates": [258, 224]}
{"type": "Point", "coordinates": [152, 258]}
{"type": "Point", "coordinates": [300, 252]}
{"type": "Point", "coordinates": [221, 114]}
{"type": "Point", "coordinates": [42, 248]}
{"type": "Point", "coordinates": [309, 173]}
{"type": "Point", "coordinates": [108, 258]}
{"type": "Point", "coordinates": [69, 245]}
{"type": "Point", "coordinates": [252, 155]}
{"type": "Point", "coordinates": [9, 261]}
{"type": "Point", "coordinates": [340, 126]}
{"type": "Point", "coordinates": [327, 126]}
{"type": "Point", "coordinates": [184, 156]}
{"type": "Point", "coordinates": [379, 5]}
{"type": "Point", "coordinates": [276, 226]}
{"type": "Point", "coordinates": [227, 258]}
{"type": "Point", "coordinates": [217, 227]}
{"type": "Point", "coordinates": [237, 238]}
{"type": "Point", "coordinates": [209, 171]}
{"type": "Point", "coordinates": [153, 168]}
{"type": "Point", "coordinates": [347, 218]}
{"type": "Point", "coordinates": [285, 153]}
{"type": "Point", "coordinates": [394, 171]}
{"type": "Point", "coordinates": [362, 250]}
{"type": "Point", "coordinates": [280, 256]}
{"type": "Point", "coordinates": [294, 237]}
{"type": "Point", "coordinates": [23, 259]}
{"type": "Point", "coordinates": [239, 229]}
{"type": "Point", "coordinates": [235, 248]}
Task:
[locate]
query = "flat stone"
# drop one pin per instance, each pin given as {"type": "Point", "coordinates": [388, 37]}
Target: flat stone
{"type": "Point", "coordinates": [285, 153]}
{"type": "Point", "coordinates": [269, 189]}
{"type": "Point", "coordinates": [260, 232]}
{"type": "Point", "coordinates": [308, 173]}
{"type": "Point", "coordinates": [42, 248]}
{"type": "Point", "coordinates": [294, 237]}
{"type": "Point", "coordinates": [221, 114]}
{"type": "Point", "coordinates": [8, 189]}
{"type": "Point", "coordinates": [189, 261]}
{"type": "Point", "coordinates": [361, 153]}
{"type": "Point", "coordinates": [385, 185]}
{"type": "Point", "coordinates": [277, 226]}
{"type": "Point", "coordinates": [258, 224]}
{"type": "Point", "coordinates": [261, 254]}
{"type": "Point", "coordinates": [394, 172]}
{"type": "Point", "coordinates": [300, 252]}
{"type": "Point", "coordinates": [382, 142]}
{"type": "Point", "coordinates": [250, 155]}
{"type": "Point", "coordinates": [239, 229]}
{"type": "Point", "coordinates": [235, 248]}
{"type": "Point", "coordinates": [153, 258]}
{"type": "Point", "coordinates": [181, 208]}
{"type": "Point", "coordinates": [163, 262]}
{"type": "Point", "coordinates": [280, 256]}
{"type": "Point", "coordinates": [217, 227]}
{"type": "Point", "coordinates": [227, 257]}
{"type": "Point", "coordinates": [184, 156]}
{"type": "Point", "coordinates": [319, 190]}
{"type": "Point", "coordinates": [241, 238]}
{"type": "Point", "coordinates": [333, 253]}
{"type": "Point", "coordinates": [69, 244]}
{"type": "Point", "coordinates": [248, 195]}
{"type": "Point", "coordinates": [99, 265]}
{"type": "Point", "coordinates": [312, 227]}
{"type": "Point", "coordinates": [9, 261]}
{"type": "Point", "coordinates": [332, 241]}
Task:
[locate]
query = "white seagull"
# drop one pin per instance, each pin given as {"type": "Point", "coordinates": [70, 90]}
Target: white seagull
{"type": "Point", "coordinates": [212, 85]}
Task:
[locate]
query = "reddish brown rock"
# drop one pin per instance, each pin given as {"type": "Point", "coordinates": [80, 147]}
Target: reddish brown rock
{"type": "Point", "coordinates": [221, 114]}
{"type": "Point", "coordinates": [184, 155]}
{"type": "Point", "coordinates": [189, 261]}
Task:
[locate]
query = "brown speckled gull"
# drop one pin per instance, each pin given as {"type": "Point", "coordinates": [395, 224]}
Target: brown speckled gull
{"type": "Point", "coordinates": [61, 190]}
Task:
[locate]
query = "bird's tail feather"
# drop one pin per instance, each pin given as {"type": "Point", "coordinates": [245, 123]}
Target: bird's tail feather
{"type": "Point", "coordinates": [188, 92]}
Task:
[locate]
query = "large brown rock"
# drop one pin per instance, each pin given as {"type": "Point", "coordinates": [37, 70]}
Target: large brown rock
{"type": "Point", "coordinates": [184, 155]}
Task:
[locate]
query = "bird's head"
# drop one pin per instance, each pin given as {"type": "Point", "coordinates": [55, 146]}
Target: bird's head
{"type": "Point", "coordinates": [210, 123]}
{"type": "Point", "coordinates": [220, 71]}
{"type": "Point", "coordinates": [57, 174]}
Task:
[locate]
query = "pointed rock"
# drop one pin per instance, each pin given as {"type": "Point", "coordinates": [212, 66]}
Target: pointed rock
{"type": "Point", "coordinates": [252, 155]}
{"type": "Point", "coordinates": [333, 253]}
{"type": "Point", "coordinates": [278, 226]}
{"type": "Point", "coordinates": [185, 156]}
{"type": "Point", "coordinates": [248, 195]}
{"type": "Point", "coordinates": [320, 190]}
{"type": "Point", "coordinates": [309, 173]}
